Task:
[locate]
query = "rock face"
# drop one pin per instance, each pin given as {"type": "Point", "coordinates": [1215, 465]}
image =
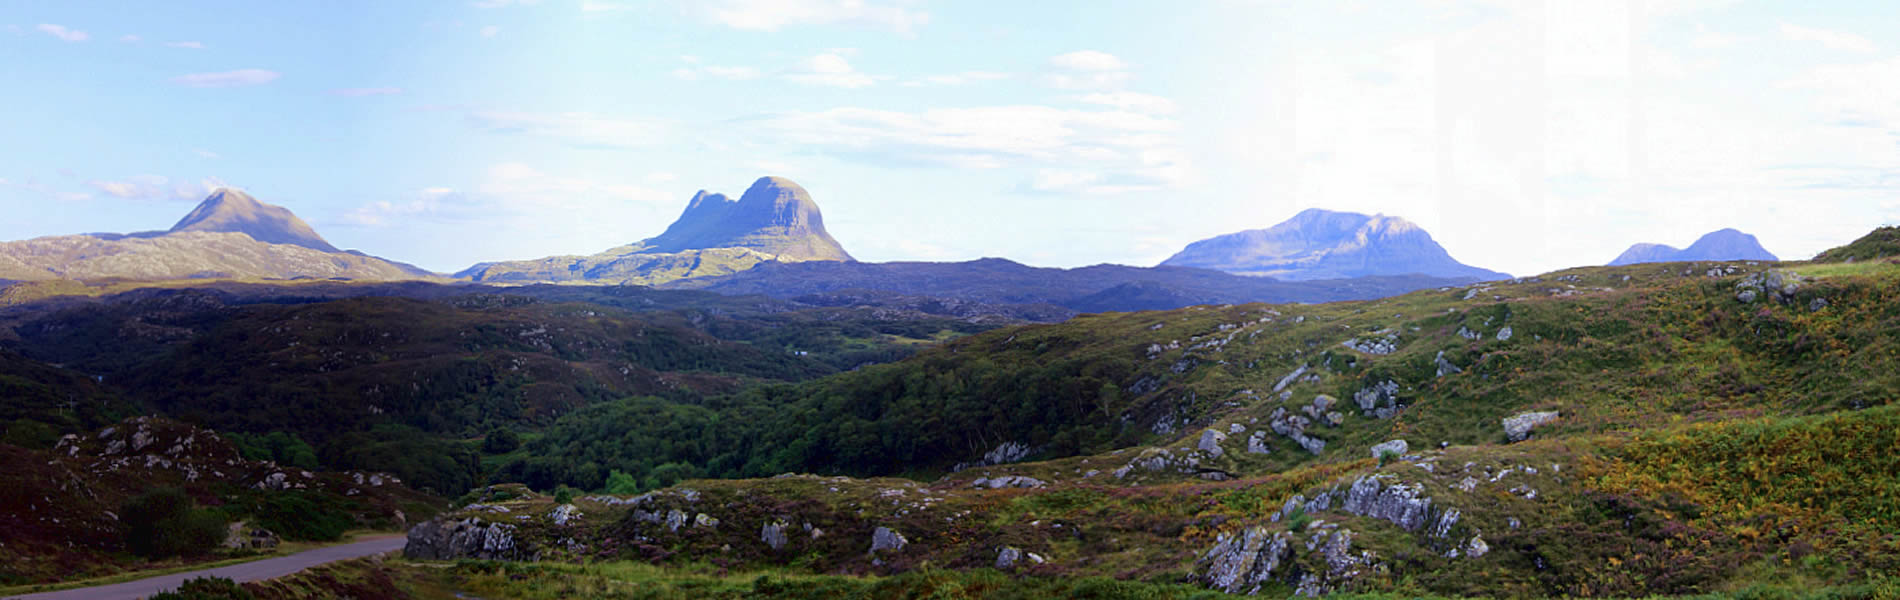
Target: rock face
{"type": "Point", "coordinates": [230, 235]}
{"type": "Point", "coordinates": [773, 534]}
{"type": "Point", "coordinates": [1323, 244]}
{"type": "Point", "coordinates": [1518, 427]}
{"type": "Point", "coordinates": [1240, 563]}
{"type": "Point", "coordinates": [774, 221]}
{"type": "Point", "coordinates": [1725, 244]}
{"type": "Point", "coordinates": [1379, 400]}
{"type": "Point", "coordinates": [465, 538]}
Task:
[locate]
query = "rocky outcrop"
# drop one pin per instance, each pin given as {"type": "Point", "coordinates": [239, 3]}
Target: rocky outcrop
{"type": "Point", "coordinates": [1210, 442]}
{"type": "Point", "coordinates": [1397, 503]}
{"type": "Point", "coordinates": [884, 538]}
{"type": "Point", "coordinates": [1240, 563]}
{"type": "Point", "coordinates": [445, 539]}
{"type": "Point", "coordinates": [773, 534]}
{"type": "Point", "coordinates": [1293, 427]}
{"type": "Point", "coordinates": [1379, 400]}
{"type": "Point", "coordinates": [1444, 366]}
{"type": "Point", "coordinates": [1394, 447]}
{"type": "Point", "coordinates": [1773, 285]}
{"type": "Point", "coordinates": [1518, 427]}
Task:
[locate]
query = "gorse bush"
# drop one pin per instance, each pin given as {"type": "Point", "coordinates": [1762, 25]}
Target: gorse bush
{"type": "Point", "coordinates": [165, 522]}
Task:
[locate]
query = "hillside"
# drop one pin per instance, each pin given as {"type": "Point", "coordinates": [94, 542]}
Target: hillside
{"type": "Point", "coordinates": [1881, 243]}
{"type": "Point", "coordinates": [228, 236]}
{"type": "Point", "coordinates": [1650, 429]}
{"type": "Point", "coordinates": [774, 221]}
{"type": "Point", "coordinates": [1722, 244]}
{"type": "Point", "coordinates": [1324, 244]}
{"type": "Point", "coordinates": [1090, 289]}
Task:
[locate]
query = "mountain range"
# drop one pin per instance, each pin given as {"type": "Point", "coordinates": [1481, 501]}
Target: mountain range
{"type": "Point", "coordinates": [1325, 244]}
{"type": "Point", "coordinates": [1723, 244]}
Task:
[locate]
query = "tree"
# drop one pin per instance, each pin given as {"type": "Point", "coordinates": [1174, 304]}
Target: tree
{"type": "Point", "coordinates": [165, 522]}
{"type": "Point", "coordinates": [501, 440]}
{"type": "Point", "coordinates": [619, 483]}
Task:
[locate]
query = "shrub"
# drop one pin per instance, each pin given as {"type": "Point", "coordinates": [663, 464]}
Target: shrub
{"type": "Point", "coordinates": [206, 588]}
{"type": "Point", "coordinates": [564, 495]}
{"type": "Point", "coordinates": [621, 484]}
{"type": "Point", "coordinates": [301, 516]}
{"type": "Point", "coordinates": [165, 522]}
{"type": "Point", "coordinates": [500, 440]}
{"type": "Point", "coordinates": [1297, 520]}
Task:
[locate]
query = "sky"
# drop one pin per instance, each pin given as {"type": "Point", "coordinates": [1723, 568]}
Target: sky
{"type": "Point", "coordinates": [1525, 136]}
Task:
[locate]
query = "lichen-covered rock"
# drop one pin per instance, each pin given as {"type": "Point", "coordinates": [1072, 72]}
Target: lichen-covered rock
{"type": "Point", "coordinates": [1504, 334]}
{"type": "Point", "coordinates": [1444, 366]}
{"type": "Point", "coordinates": [1007, 558]}
{"type": "Point", "coordinates": [1293, 427]}
{"type": "Point", "coordinates": [1398, 503]}
{"type": "Point", "coordinates": [675, 519]}
{"type": "Point", "coordinates": [1477, 547]}
{"type": "Point", "coordinates": [773, 534]}
{"type": "Point", "coordinates": [1379, 400]}
{"type": "Point", "coordinates": [1257, 443]}
{"type": "Point", "coordinates": [1396, 447]}
{"type": "Point", "coordinates": [1007, 481]}
{"type": "Point", "coordinates": [885, 539]}
{"type": "Point", "coordinates": [1005, 453]}
{"type": "Point", "coordinates": [1518, 427]}
{"type": "Point", "coordinates": [705, 520]}
{"type": "Point", "coordinates": [1210, 442]}
{"type": "Point", "coordinates": [1240, 563]}
{"type": "Point", "coordinates": [564, 513]}
{"type": "Point", "coordinates": [443, 539]}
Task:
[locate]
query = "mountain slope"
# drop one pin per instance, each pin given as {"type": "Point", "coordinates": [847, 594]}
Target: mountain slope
{"type": "Point", "coordinates": [1881, 243]}
{"type": "Point", "coordinates": [1324, 244]}
{"type": "Point", "coordinates": [1723, 244]}
{"type": "Point", "coordinates": [233, 211]}
{"type": "Point", "coordinates": [228, 236]}
{"type": "Point", "coordinates": [774, 221]}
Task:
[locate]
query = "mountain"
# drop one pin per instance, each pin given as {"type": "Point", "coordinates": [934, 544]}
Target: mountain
{"type": "Point", "coordinates": [1724, 244]}
{"type": "Point", "coordinates": [775, 220]}
{"type": "Point", "coordinates": [1094, 289]}
{"type": "Point", "coordinates": [228, 236]}
{"type": "Point", "coordinates": [233, 211]}
{"type": "Point", "coordinates": [1324, 244]}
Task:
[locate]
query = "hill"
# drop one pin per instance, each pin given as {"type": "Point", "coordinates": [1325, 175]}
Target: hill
{"type": "Point", "coordinates": [1324, 244]}
{"type": "Point", "coordinates": [228, 236]}
{"type": "Point", "coordinates": [1647, 429]}
{"type": "Point", "coordinates": [774, 221]}
{"type": "Point", "coordinates": [1881, 243]}
{"type": "Point", "coordinates": [1003, 282]}
{"type": "Point", "coordinates": [1723, 244]}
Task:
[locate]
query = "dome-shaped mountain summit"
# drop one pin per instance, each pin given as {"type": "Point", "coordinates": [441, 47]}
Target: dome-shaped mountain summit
{"type": "Point", "coordinates": [232, 211]}
{"type": "Point", "coordinates": [1325, 244]}
{"type": "Point", "coordinates": [1722, 244]}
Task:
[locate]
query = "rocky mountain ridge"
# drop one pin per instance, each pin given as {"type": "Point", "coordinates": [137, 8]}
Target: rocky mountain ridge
{"type": "Point", "coordinates": [1325, 244]}
{"type": "Point", "coordinates": [1721, 244]}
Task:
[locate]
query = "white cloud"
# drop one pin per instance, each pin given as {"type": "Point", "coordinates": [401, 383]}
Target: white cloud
{"type": "Point", "coordinates": [1836, 40]}
{"type": "Point", "coordinates": [205, 153]}
{"type": "Point", "coordinates": [772, 15]}
{"type": "Point", "coordinates": [576, 128]}
{"type": "Point", "coordinates": [188, 45]}
{"type": "Point", "coordinates": [694, 70]}
{"type": "Point", "coordinates": [505, 3]}
{"type": "Point", "coordinates": [361, 92]}
{"type": "Point", "coordinates": [598, 6]}
{"type": "Point", "coordinates": [1134, 101]}
{"type": "Point", "coordinates": [829, 69]}
{"type": "Point", "coordinates": [129, 38]}
{"type": "Point", "coordinates": [490, 31]}
{"type": "Point", "coordinates": [428, 201]}
{"type": "Point", "coordinates": [224, 79]}
{"type": "Point", "coordinates": [954, 79]}
{"type": "Point", "coordinates": [1123, 150]}
{"type": "Point", "coordinates": [1708, 39]}
{"type": "Point", "coordinates": [155, 187]}
{"type": "Point", "coordinates": [1088, 60]}
{"type": "Point", "coordinates": [1087, 70]}
{"type": "Point", "coordinates": [61, 32]}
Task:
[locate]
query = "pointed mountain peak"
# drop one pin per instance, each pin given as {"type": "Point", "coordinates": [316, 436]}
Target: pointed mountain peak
{"type": "Point", "coordinates": [229, 210]}
{"type": "Point", "coordinates": [774, 216]}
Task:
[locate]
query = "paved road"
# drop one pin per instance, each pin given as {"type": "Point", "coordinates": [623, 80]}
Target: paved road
{"type": "Point", "coordinates": [250, 571]}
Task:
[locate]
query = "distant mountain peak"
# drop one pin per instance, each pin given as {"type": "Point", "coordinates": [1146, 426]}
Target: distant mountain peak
{"type": "Point", "coordinates": [1318, 243]}
{"type": "Point", "coordinates": [774, 216]}
{"type": "Point", "coordinates": [229, 210]}
{"type": "Point", "coordinates": [1727, 243]}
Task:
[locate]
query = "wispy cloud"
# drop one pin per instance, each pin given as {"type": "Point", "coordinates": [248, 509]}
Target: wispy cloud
{"type": "Point", "coordinates": [1087, 70]}
{"type": "Point", "coordinates": [505, 3]}
{"type": "Point", "coordinates": [203, 153]}
{"type": "Point", "coordinates": [490, 31]}
{"type": "Point", "coordinates": [225, 79]}
{"type": "Point", "coordinates": [772, 15]}
{"type": "Point", "coordinates": [1837, 40]}
{"type": "Point", "coordinates": [63, 33]}
{"type": "Point", "coordinates": [583, 130]}
{"type": "Point", "coordinates": [156, 187]}
{"type": "Point", "coordinates": [1134, 101]}
{"type": "Point", "coordinates": [190, 45]}
{"type": "Point", "coordinates": [130, 38]}
{"type": "Point", "coordinates": [361, 92]}
{"type": "Point", "coordinates": [1077, 150]}
{"type": "Point", "coordinates": [954, 79]}
{"type": "Point", "coordinates": [829, 69]}
{"type": "Point", "coordinates": [599, 6]}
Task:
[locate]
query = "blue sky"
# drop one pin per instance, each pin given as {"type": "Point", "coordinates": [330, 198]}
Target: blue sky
{"type": "Point", "coordinates": [1525, 136]}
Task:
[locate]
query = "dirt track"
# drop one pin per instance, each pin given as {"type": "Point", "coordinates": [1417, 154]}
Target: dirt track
{"type": "Point", "coordinates": [250, 571]}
